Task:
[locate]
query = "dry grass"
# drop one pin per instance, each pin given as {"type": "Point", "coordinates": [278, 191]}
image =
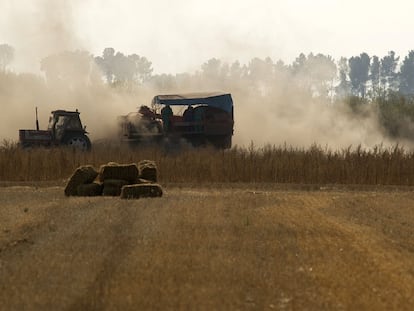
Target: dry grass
{"type": "Point", "coordinates": [274, 164]}
{"type": "Point", "coordinates": [224, 248]}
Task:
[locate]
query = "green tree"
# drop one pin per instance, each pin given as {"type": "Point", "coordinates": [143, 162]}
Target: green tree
{"type": "Point", "coordinates": [359, 73]}
{"type": "Point", "coordinates": [142, 68]}
{"type": "Point", "coordinates": [260, 74]}
{"type": "Point", "coordinates": [299, 65]}
{"type": "Point", "coordinates": [120, 68]}
{"type": "Point", "coordinates": [322, 71]}
{"type": "Point", "coordinates": [236, 71]}
{"type": "Point", "coordinates": [260, 69]}
{"type": "Point", "coordinates": [211, 69]}
{"type": "Point", "coordinates": [388, 74]}
{"type": "Point", "coordinates": [343, 89]}
{"type": "Point", "coordinates": [396, 115]}
{"type": "Point", "coordinates": [315, 74]}
{"type": "Point", "coordinates": [106, 63]}
{"type": "Point", "coordinates": [375, 75]}
{"type": "Point", "coordinates": [407, 75]}
{"type": "Point", "coordinates": [123, 68]}
{"type": "Point", "coordinates": [300, 73]}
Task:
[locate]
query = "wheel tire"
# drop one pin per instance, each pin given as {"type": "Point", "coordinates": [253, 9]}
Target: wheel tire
{"type": "Point", "coordinates": [80, 142]}
{"type": "Point", "coordinates": [221, 142]}
{"type": "Point", "coordinates": [227, 140]}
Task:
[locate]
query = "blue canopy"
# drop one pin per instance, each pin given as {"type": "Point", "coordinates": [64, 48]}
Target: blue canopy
{"type": "Point", "coordinates": [218, 100]}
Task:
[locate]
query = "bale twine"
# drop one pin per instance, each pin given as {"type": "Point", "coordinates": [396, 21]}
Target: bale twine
{"type": "Point", "coordinates": [141, 191]}
{"type": "Point", "coordinates": [90, 190]}
{"type": "Point", "coordinates": [128, 172]}
{"type": "Point", "coordinates": [113, 187]}
{"type": "Point", "coordinates": [148, 170]}
{"type": "Point", "coordinates": [143, 181]}
{"type": "Point", "coordinates": [83, 175]}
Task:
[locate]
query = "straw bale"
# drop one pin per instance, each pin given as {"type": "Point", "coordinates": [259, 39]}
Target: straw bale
{"type": "Point", "coordinates": [113, 187]}
{"type": "Point", "coordinates": [141, 191]}
{"type": "Point", "coordinates": [112, 170]}
{"type": "Point", "coordinates": [83, 175]}
{"type": "Point", "coordinates": [90, 190]}
{"type": "Point", "coordinates": [148, 170]}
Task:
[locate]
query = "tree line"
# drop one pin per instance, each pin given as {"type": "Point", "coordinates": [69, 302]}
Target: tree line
{"type": "Point", "coordinates": [363, 76]}
{"type": "Point", "coordinates": [386, 82]}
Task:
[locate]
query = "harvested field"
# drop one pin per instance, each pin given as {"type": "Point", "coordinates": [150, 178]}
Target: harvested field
{"type": "Point", "coordinates": [226, 247]}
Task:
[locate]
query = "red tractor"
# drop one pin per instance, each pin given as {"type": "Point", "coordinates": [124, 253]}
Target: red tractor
{"type": "Point", "coordinates": [65, 128]}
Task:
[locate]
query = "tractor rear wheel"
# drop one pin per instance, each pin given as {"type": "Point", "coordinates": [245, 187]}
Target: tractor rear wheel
{"type": "Point", "coordinates": [78, 141]}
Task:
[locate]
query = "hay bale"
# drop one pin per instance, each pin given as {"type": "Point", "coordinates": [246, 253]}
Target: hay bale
{"type": "Point", "coordinates": [141, 191]}
{"type": "Point", "coordinates": [90, 190]}
{"type": "Point", "coordinates": [112, 170]}
{"type": "Point", "coordinates": [148, 170]}
{"type": "Point", "coordinates": [113, 187]}
{"type": "Point", "coordinates": [83, 175]}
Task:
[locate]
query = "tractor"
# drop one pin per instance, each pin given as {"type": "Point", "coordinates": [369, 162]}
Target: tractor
{"type": "Point", "coordinates": [210, 122]}
{"type": "Point", "coordinates": [64, 129]}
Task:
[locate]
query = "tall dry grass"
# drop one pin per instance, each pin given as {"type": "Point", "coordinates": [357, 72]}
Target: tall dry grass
{"type": "Point", "coordinates": [269, 164]}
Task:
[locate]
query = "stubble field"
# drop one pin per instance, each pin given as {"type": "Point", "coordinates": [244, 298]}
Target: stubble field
{"type": "Point", "coordinates": [209, 247]}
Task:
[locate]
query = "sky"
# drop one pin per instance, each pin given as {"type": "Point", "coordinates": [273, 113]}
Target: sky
{"type": "Point", "coordinates": [180, 35]}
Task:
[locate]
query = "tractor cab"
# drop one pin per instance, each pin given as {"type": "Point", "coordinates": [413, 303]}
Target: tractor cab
{"type": "Point", "coordinates": [64, 123]}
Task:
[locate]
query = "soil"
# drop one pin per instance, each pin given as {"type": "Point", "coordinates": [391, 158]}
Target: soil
{"type": "Point", "coordinates": [208, 248]}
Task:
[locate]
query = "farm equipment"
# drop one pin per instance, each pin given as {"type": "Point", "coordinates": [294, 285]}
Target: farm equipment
{"type": "Point", "coordinates": [65, 128]}
{"type": "Point", "coordinates": [208, 120]}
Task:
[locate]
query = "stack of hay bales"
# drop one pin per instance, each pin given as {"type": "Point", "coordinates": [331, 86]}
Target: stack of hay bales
{"type": "Point", "coordinates": [130, 181]}
{"type": "Point", "coordinates": [79, 182]}
{"type": "Point", "coordinates": [114, 176]}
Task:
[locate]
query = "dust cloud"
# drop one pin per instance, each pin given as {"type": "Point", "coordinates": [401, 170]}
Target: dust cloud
{"type": "Point", "coordinates": [275, 112]}
{"type": "Point", "coordinates": [302, 121]}
{"type": "Point", "coordinates": [281, 116]}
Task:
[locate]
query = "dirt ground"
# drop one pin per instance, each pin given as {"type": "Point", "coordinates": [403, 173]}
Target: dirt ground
{"type": "Point", "coordinates": [215, 248]}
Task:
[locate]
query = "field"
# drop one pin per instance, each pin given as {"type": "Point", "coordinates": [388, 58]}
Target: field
{"type": "Point", "coordinates": [211, 247]}
{"type": "Point", "coordinates": [256, 228]}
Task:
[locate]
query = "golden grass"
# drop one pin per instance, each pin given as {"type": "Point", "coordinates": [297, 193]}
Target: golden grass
{"type": "Point", "coordinates": [208, 248]}
{"type": "Point", "coordinates": [273, 164]}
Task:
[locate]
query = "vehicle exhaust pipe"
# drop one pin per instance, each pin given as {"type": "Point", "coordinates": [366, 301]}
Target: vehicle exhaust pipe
{"type": "Point", "coordinates": [37, 121]}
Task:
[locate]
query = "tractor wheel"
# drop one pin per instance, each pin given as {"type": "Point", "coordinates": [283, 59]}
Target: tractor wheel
{"type": "Point", "coordinates": [80, 142]}
{"type": "Point", "coordinates": [221, 142]}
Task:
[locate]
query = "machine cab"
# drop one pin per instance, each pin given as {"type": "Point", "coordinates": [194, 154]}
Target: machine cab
{"type": "Point", "coordinates": [61, 122]}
